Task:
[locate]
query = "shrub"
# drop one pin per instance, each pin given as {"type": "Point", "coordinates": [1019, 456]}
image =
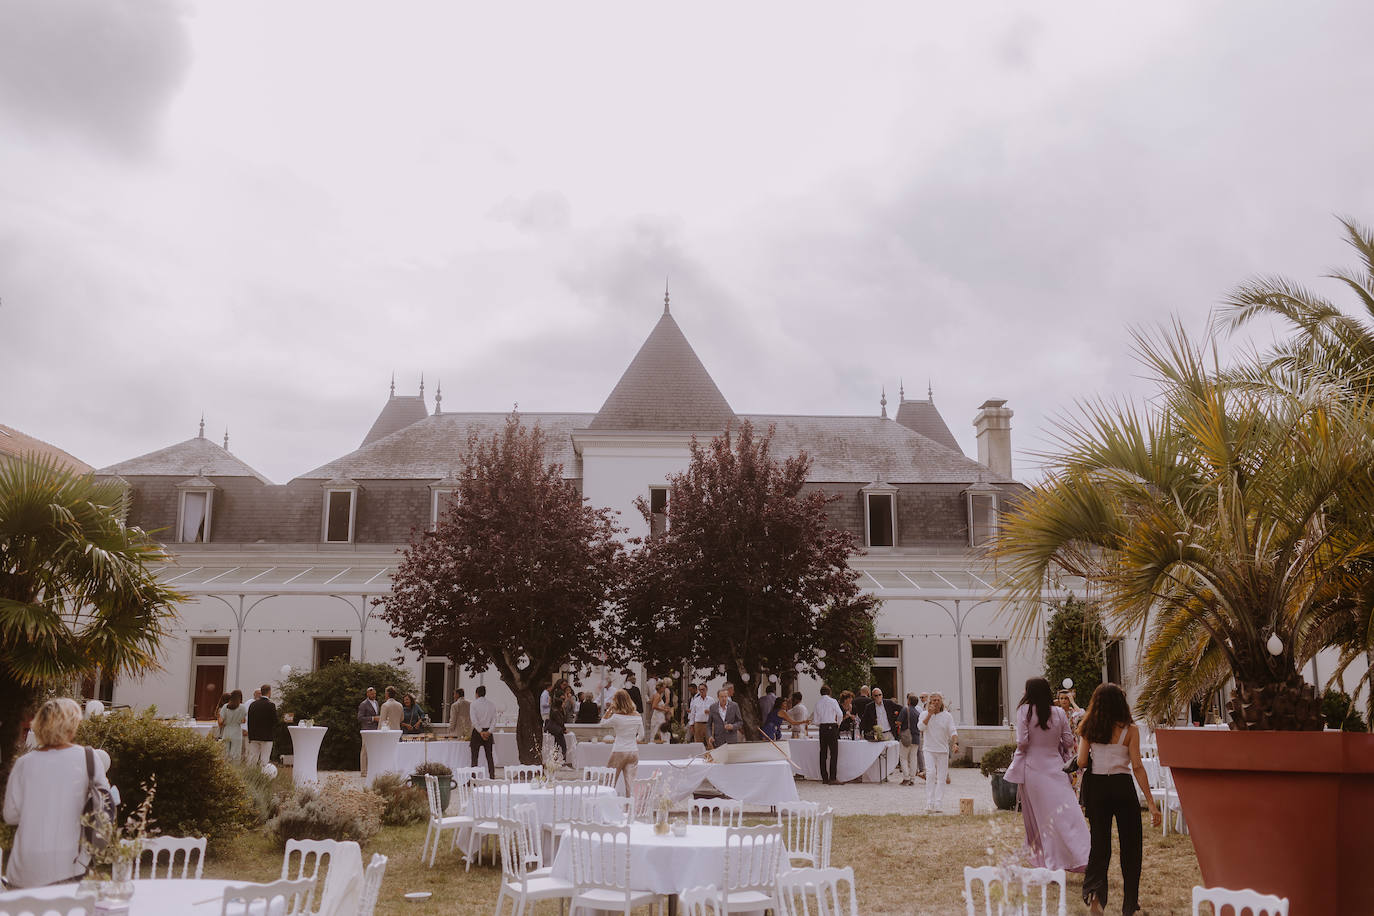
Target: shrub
{"type": "Point", "coordinates": [332, 812]}
{"type": "Point", "coordinates": [434, 769]}
{"type": "Point", "coordinates": [1074, 648]}
{"type": "Point", "coordinates": [331, 696]}
{"type": "Point", "coordinates": [1340, 711]}
{"type": "Point", "coordinates": [199, 792]}
{"type": "Point", "coordinates": [261, 789]}
{"type": "Point", "coordinates": [405, 804]}
{"type": "Point", "coordinates": [996, 758]}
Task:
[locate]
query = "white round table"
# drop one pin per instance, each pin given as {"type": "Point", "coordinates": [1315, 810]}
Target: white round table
{"type": "Point", "coordinates": [381, 751]}
{"type": "Point", "coordinates": [157, 898]}
{"type": "Point", "coordinates": [665, 864]}
{"type": "Point", "coordinates": [305, 750]}
{"type": "Point", "coordinates": [523, 793]}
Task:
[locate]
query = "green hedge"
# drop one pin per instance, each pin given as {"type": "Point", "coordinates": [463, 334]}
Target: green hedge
{"type": "Point", "coordinates": [330, 696]}
{"type": "Point", "coordinates": [1340, 711]}
{"type": "Point", "coordinates": [198, 791]}
{"type": "Point", "coordinates": [1074, 648]}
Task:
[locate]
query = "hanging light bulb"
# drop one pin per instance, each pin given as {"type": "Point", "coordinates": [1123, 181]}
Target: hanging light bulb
{"type": "Point", "coordinates": [1275, 645]}
{"type": "Point", "coordinates": [523, 661]}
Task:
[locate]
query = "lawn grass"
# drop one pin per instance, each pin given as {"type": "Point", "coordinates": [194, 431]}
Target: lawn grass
{"type": "Point", "coordinates": [903, 865]}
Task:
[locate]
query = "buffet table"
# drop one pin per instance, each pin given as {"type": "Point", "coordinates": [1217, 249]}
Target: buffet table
{"type": "Point", "coordinates": [765, 783]}
{"type": "Point", "coordinates": [598, 753]}
{"type": "Point", "coordinates": [870, 761]}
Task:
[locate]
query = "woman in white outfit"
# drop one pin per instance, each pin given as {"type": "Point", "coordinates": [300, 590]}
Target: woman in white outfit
{"type": "Point", "coordinates": [658, 708]}
{"type": "Point", "coordinates": [45, 795]}
{"type": "Point", "coordinates": [626, 724]}
{"type": "Point", "coordinates": [939, 737]}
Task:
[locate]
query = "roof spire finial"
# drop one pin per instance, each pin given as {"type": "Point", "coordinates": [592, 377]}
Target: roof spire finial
{"type": "Point", "coordinates": [393, 383]}
{"type": "Point", "coordinates": [665, 294]}
{"type": "Point", "coordinates": [226, 438]}
{"type": "Point", "coordinates": [930, 391]}
{"type": "Point", "coordinates": [422, 386]}
{"type": "Point", "coordinates": [901, 390]}
{"type": "Point", "coordinates": [883, 402]}
{"type": "Point", "coordinates": [201, 433]}
{"type": "Point", "coordinates": [438, 397]}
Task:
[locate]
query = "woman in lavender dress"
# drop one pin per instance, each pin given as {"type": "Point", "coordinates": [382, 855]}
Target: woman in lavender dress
{"type": "Point", "coordinates": [1056, 834]}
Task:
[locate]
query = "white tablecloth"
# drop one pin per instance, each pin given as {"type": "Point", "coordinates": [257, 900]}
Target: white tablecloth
{"type": "Point", "coordinates": [768, 783]}
{"type": "Point", "coordinates": [542, 799]}
{"type": "Point", "coordinates": [665, 864]}
{"type": "Point", "coordinates": [305, 752]}
{"type": "Point", "coordinates": [163, 896]}
{"type": "Point", "coordinates": [200, 728]}
{"type": "Point", "coordinates": [598, 753]}
{"type": "Point", "coordinates": [871, 760]}
{"type": "Point", "coordinates": [452, 754]}
{"type": "Point", "coordinates": [382, 751]}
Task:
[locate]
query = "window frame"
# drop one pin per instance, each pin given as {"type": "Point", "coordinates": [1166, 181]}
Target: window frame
{"type": "Point", "coordinates": [183, 490]}
{"type": "Point", "coordinates": [982, 490]}
{"type": "Point", "coordinates": [879, 489]}
{"type": "Point", "coordinates": [654, 531]}
{"type": "Point", "coordinates": [315, 649]}
{"type": "Point", "coordinates": [437, 495]}
{"type": "Point", "coordinates": [329, 492]}
{"type": "Point", "coordinates": [1000, 663]}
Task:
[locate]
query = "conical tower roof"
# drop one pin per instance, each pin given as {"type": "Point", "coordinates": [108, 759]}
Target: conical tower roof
{"type": "Point", "coordinates": [400, 411]}
{"type": "Point", "coordinates": [665, 388]}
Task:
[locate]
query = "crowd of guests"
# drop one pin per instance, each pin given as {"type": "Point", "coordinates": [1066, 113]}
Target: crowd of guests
{"type": "Point", "coordinates": [257, 721]}
{"type": "Point", "coordinates": [1073, 830]}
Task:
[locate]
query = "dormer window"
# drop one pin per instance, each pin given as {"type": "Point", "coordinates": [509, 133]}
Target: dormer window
{"type": "Point", "coordinates": [658, 511]}
{"type": "Point", "coordinates": [195, 504]}
{"type": "Point", "coordinates": [982, 513]}
{"type": "Point", "coordinates": [880, 515]}
{"type": "Point", "coordinates": [441, 494]}
{"type": "Point", "coordinates": [340, 509]}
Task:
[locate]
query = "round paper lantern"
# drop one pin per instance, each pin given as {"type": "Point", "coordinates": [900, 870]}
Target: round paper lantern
{"type": "Point", "coordinates": [820, 653]}
{"type": "Point", "coordinates": [744, 676]}
{"type": "Point", "coordinates": [1275, 645]}
{"type": "Point", "coordinates": [772, 678]}
{"type": "Point", "coordinates": [821, 664]}
{"type": "Point", "coordinates": [94, 708]}
{"type": "Point", "coordinates": [269, 770]}
{"type": "Point", "coordinates": [1068, 683]}
{"type": "Point", "coordinates": [285, 670]}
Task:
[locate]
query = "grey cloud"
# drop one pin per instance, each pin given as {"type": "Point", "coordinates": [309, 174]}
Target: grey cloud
{"type": "Point", "coordinates": [101, 69]}
{"type": "Point", "coordinates": [542, 211]}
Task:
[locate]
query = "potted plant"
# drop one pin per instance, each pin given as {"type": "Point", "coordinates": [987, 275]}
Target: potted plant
{"type": "Point", "coordinates": [1229, 522]}
{"type": "Point", "coordinates": [444, 775]}
{"type": "Point", "coordinates": [993, 765]}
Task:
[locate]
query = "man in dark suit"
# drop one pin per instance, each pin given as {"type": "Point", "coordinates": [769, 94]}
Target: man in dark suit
{"type": "Point", "coordinates": [862, 701]}
{"type": "Point", "coordinates": [724, 724]}
{"type": "Point", "coordinates": [880, 714]}
{"type": "Point", "coordinates": [633, 690]}
{"type": "Point", "coordinates": [367, 721]}
{"type": "Point", "coordinates": [262, 727]}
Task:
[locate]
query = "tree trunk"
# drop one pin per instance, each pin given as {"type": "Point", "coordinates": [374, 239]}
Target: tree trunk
{"type": "Point", "coordinates": [1291, 706]}
{"type": "Point", "coordinates": [529, 728]}
{"type": "Point", "coordinates": [15, 700]}
{"type": "Point", "coordinates": [747, 699]}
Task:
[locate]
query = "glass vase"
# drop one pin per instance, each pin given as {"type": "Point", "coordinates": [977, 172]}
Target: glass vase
{"type": "Point", "coordinates": [120, 887]}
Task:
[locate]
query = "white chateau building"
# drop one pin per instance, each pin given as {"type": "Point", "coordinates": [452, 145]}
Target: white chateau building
{"type": "Point", "coordinates": [284, 574]}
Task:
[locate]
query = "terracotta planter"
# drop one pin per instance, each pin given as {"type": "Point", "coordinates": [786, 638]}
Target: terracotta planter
{"type": "Point", "coordinates": [1288, 813]}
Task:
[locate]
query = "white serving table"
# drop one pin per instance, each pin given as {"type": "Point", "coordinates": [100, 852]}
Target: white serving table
{"type": "Point", "coordinates": [665, 864]}
{"type": "Point", "coordinates": [452, 753]}
{"type": "Point", "coordinates": [598, 753]}
{"type": "Point", "coordinates": [765, 783]}
{"type": "Point", "coordinates": [869, 761]}
{"type": "Point", "coordinates": [382, 745]}
{"type": "Point", "coordinates": [200, 728]}
{"type": "Point", "coordinates": [305, 750]}
{"type": "Point", "coordinates": [192, 896]}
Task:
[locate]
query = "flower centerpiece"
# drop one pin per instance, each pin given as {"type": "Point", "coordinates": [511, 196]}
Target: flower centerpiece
{"type": "Point", "coordinates": [112, 849]}
{"type": "Point", "coordinates": [662, 808]}
{"type": "Point", "coordinates": [553, 762]}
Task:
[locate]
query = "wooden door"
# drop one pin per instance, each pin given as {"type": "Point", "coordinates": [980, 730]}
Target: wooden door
{"type": "Point", "coordinates": [209, 688]}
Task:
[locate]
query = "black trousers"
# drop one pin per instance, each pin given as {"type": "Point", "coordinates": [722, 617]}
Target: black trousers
{"type": "Point", "coordinates": [475, 744]}
{"type": "Point", "coordinates": [830, 751]}
{"type": "Point", "coordinates": [1110, 797]}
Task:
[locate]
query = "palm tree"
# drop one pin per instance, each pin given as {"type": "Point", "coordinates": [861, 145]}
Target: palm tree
{"type": "Point", "coordinates": [76, 590]}
{"type": "Point", "coordinates": [1222, 521]}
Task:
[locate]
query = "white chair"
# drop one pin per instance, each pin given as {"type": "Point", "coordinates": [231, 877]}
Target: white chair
{"type": "Point", "coordinates": [527, 816]}
{"type": "Point", "coordinates": [1240, 902]}
{"type": "Point", "coordinates": [335, 856]}
{"type": "Point", "coordinates": [817, 892]}
{"type": "Point", "coordinates": [643, 794]}
{"type": "Point", "coordinates": [826, 831]}
{"type": "Point", "coordinates": [490, 800]}
{"type": "Point", "coordinates": [465, 775]}
{"type": "Point", "coordinates": [601, 871]}
{"type": "Point", "coordinates": [1166, 797]}
{"type": "Point", "coordinates": [716, 812]}
{"type": "Point", "coordinates": [517, 882]}
{"type": "Point", "coordinates": [522, 772]}
{"type": "Point", "coordinates": [602, 776]}
{"type": "Point", "coordinates": [800, 822]}
{"type": "Point", "coordinates": [46, 906]}
{"type": "Point", "coordinates": [439, 822]}
{"type": "Point", "coordinates": [372, 885]}
{"type": "Point", "coordinates": [753, 859]}
{"type": "Point", "coordinates": [570, 799]}
{"type": "Point", "coordinates": [165, 849]}
{"type": "Point", "coordinates": [295, 895]}
{"type": "Point", "coordinates": [700, 901]}
{"type": "Point", "coordinates": [997, 893]}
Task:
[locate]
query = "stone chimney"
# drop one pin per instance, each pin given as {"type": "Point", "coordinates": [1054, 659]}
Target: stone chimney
{"type": "Point", "coordinates": [993, 425]}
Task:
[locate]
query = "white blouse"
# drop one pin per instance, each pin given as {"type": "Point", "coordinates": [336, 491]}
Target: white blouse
{"type": "Point", "coordinates": [938, 730]}
{"type": "Point", "coordinates": [628, 730]}
{"type": "Point", "coordinates": [44, 796]}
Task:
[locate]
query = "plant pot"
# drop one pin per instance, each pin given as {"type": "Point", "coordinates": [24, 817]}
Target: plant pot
{"type": "Point", "coordinates": [1003, 792]}
{"type": "Point", "coordinates": [1287, 813]}
{"type": "Point", "coordinates": [445, 788]}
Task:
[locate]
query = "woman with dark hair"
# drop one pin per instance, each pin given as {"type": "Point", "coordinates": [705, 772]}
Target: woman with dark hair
{"type": "Point", "coordinates": [1111, 741]}
{"type": "Point", "coordinates": [1056, 834]}
{"type": "Point", "coordinates": [231, 719]}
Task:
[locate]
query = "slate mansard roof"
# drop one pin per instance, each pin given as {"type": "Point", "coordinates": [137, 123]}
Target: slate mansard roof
{"type": "Point", "coordinates": [198, 457]}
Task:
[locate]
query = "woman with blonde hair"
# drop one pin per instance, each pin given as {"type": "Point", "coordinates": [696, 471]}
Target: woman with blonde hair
{"type": "Point", "coordinates": [45, 796]}
{"type": "Point", "coordinates": [939, 736]}
{"type": "Point", "coordinates": [628, 726]}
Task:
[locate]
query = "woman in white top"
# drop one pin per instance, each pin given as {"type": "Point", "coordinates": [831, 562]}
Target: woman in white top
{"type": "Point", "coordinates": [627, 725]}
{"type": "Point", "coordinates": [658, 707]}
{"type": "Point", "coordinates": [939, 737]}
{"type": "Point", "coordinates": [45, 796]}
{"type": "Point", "coordinates": [1109, 739]}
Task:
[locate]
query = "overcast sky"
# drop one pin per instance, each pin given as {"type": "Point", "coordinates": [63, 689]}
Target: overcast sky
{"type": "Point", "coordinates": [260, 210]}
